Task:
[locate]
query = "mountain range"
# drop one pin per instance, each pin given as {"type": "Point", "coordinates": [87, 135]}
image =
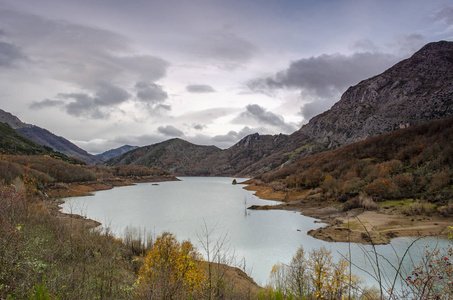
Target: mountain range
{"type": "Point", "coordinates": [46, 138]}
{"type": "Point", "coordinates": [416, 90]}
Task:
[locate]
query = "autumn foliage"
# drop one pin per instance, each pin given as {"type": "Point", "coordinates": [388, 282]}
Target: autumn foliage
{"type": "Point", "coordinates": [416, 162]}
{"type": "Point", "coordinates": [171, 270]}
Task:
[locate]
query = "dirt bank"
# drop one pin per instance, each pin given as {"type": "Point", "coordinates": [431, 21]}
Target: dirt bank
{"type": "Point", "coordinates": [358, 226]}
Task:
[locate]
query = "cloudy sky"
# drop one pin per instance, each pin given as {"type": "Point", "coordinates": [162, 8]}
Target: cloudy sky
{"type": "Point", "coordinates": [106, 73]}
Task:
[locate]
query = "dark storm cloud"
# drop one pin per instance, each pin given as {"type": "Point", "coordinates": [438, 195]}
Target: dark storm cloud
{"type": "Point", "coordinates": [9, 54]}
{"type": "Point", "coordinates": [258, 113]}
{"type": "Point", "coordinates": [170, 130]}
{"type": "Point", "coordinates": [326, 75]}
{"type": "Point", "coordinates": [446, 15]}
{"type": "Point", "coordinates": [46, 103]}
{"type": "Point", "coordinates": [199, 88]}
{"type": "Point", "coordinates": [150, 92]}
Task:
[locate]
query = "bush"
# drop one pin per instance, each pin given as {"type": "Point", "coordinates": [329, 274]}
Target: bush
{"type": "Point", "coordinates": [171, 270]}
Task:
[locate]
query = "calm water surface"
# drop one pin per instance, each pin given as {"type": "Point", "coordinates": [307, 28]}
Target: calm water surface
{"type": "Point", "coordinates": [260, 238]}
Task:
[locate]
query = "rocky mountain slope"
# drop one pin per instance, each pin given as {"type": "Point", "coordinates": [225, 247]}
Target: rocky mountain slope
{"type": "Point", "coordinates": [12, 142]}
{"type": "Point", "coordinates": [415, 90]}
{"type": "Point", "coordinates": [44, 137]}
{"type": "Point", "coordinates": [115, 152]}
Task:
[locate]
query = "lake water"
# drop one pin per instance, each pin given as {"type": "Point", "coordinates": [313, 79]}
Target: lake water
{"type": "Point", "coordinates": [258, 238]}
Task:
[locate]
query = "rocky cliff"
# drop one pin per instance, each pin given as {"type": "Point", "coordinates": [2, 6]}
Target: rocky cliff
{"type": "Point", "coordinates": [415, 90]}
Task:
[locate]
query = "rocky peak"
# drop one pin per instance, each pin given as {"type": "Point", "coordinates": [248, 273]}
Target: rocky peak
{"type": "Point", "coordinates": [11, 120]}
{"type": "Point", "coordinates": [415, 90]}
{"type": "Point", "coordinates": [248, 140]}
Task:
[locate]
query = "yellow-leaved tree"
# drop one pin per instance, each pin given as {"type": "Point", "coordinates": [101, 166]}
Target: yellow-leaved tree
{"type": "Point", "coordinates": [171, 270]}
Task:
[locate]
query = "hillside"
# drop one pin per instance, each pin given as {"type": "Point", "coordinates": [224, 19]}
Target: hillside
{"type": "Point", "coordinates": [415, 90]}
{"type": "Point", "coordinates": [177, 156]}
{"type": "Point", "coordinates": [12, 142]}
{"type": "Point", "coordinates": [46, 138]}
{"type": "Point", "coordinates": [115, 152]}
{"type": "Point", "coordinates": [407, 172]}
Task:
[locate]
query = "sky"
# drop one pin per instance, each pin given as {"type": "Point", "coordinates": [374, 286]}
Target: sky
{"type": "Point", "coordinates": [106, 73]}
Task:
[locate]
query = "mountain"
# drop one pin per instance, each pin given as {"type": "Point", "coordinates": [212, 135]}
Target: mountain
{"type": "Point", "coordinates": [44, 137]}
{"type": "Point", "coordinates": [115, 152]}
{"type": "Point", "coordinates": [12, 142]}
{"type": "Point", "coordinates": [176, 156]}
{"type": "Point", "coordinates": [410, 163]}
{"type": "Point", "coordinates": [415, 90]}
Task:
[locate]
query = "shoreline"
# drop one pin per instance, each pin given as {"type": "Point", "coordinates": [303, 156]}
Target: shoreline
{"type": "Point", "coordinates": [56, 192]}
{"type": "Point", "coordinates": [358, 225]}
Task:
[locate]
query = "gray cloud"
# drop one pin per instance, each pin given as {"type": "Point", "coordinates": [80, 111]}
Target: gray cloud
{"type": "Point", "coordinates": [326, 75]}
{"type": "Point", "coordinates": [446, 15]}
{"type": "Point", "coordinates": [365, 45]}
{"type": "Point", "coordinates": [233, 137]}
{"type": "Point", "coordinates": [261, 115]}
{"type": "Point", "coordinates": [163, 107]}
{"type": "Point", "coordinates": [224, 47]}
{"type": "Point", "coordinates": [79, 54]}
{"type": "Point", "coordinates": [171, 131]}
{"type": "Point", "coordinates": [222, 141]}
{"type": "Point", "coordinates": [311, 109]}
{"type": "Point", "coordinates": [199, 88]}
{"type": "Point", "coordinates": [198, 126]}
{"type": "Point", "coordinates": [150, 92]}
{"type": "Point", "coordinates": [46, 103]}
{"type": "Point", "coordinates": [407, 44]}
{"type": "Point", "coordinates": [207, 116]}
{"type": "Point", "coordinates": [85, 105]}
{"type": "Point", "coordinates": [10, 54]}
{"type": "Point", "coordinates": [322, 79]}
{"type": "Point", "coordinates": [149, 68]}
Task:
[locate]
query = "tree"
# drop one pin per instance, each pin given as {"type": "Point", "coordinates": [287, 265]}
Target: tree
{"type": "Point", "coordinates": [171, 270]}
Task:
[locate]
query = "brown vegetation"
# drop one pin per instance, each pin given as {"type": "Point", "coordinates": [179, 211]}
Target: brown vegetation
{"type": "Point", "coordinates": [416, 162]}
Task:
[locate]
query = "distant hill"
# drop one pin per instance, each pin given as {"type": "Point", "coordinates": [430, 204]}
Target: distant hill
{"type": "Point", "coordinates": [115, 152]}
{"type": "Point", "coordinates": [176, 156]}
{"type": "Point", "coordinates": [418, 89]}
{"type": "Point", "coordinates": [47, 138]}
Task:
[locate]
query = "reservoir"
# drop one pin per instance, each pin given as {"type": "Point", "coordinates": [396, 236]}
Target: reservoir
{"type": "Point", "coordinates": [257, 239]}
